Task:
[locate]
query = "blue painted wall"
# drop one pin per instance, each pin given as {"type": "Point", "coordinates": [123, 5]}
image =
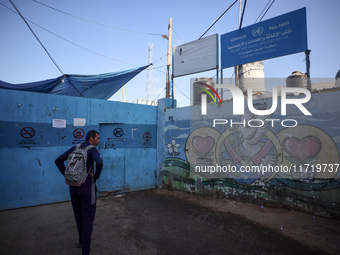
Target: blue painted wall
{"type": "Point", "coordinates": [30, 144]}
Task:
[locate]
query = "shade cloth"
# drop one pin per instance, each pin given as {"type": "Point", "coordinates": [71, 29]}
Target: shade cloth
{"type": "Point", "coordinates": [101, 86]}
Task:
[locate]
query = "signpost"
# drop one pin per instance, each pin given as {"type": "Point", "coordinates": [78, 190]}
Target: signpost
{"type": "Point", "coordinates": [279, 36]}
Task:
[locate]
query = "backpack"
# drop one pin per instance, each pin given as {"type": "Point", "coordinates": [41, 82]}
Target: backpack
{"type": "Point", "coordinates": [76, 170]}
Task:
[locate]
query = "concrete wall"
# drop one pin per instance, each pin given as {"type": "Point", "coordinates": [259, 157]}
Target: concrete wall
{"type": "Point", "coordinates": [130, 135]}
{"type": "Point", "coordinates": [191, 141]}
{"type": "Point", "coordinates": [30, 144]}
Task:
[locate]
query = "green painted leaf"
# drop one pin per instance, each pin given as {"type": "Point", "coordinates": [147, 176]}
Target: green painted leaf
{"type": "Point", "coordinates": [199, 154]}
{"type": "Point", "coordinates": [309, 160]}
{"type": "Point", "coordinates": [292, 159]}
{"type": "Point", "coordinates": [209, 154]}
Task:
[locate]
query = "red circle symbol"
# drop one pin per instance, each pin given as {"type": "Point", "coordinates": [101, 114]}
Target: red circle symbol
{"type": "Point", "coordinates": [27, 132]}
{"type": "Point", "coordinates": [147, 136]}
{"type": "Point", "coordinates": [78, 133]}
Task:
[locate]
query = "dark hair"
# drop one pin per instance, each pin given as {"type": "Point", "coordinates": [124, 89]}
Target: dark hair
{"type": "Point", "coordinates": [91, 133]}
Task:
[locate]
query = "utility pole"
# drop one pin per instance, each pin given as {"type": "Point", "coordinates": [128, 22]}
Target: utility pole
{"type": "Point", "coordinates": [168, 60]}
{"type": "Point", "coordinates": [309, 85]}
{"type": "Point", "coordinates": [123, 94]}
{"type": "Point", "coordinates": [149, 81]}
{"type": "Point", "coordinates": [237, 68]}
{"type": "Point", "coordinates": [239, 15]}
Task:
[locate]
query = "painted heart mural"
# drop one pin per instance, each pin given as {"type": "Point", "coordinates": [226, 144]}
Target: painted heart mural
{"type": "Point", "coordinates": [203, 145]}
{"type": "Point", "coordinates": [302, 150]}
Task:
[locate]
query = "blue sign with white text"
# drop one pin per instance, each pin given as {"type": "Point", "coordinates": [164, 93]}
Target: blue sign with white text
{"type": "Point", "coordinates": [279, 36]}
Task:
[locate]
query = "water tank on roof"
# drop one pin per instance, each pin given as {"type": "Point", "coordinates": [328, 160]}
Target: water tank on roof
{"type": "Point", "coordinates": [198, 84]}
{"type": "Point", "coordinates": [337, 79]}
{"type": "Point", "coordinates": [297, 80]}
{"type": "Point", "coordinates": [252, 76]}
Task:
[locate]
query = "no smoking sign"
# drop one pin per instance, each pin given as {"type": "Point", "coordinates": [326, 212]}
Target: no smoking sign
{"type": "Point", "coordinates": [147, 136]}
{"type": "Point", "coordinates": [27, 132]}
{"type": "Point", "coordinates": [78, 133]}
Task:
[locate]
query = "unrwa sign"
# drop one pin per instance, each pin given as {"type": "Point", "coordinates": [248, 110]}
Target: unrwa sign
{"type": "Point", "coordinates": [279, 36]}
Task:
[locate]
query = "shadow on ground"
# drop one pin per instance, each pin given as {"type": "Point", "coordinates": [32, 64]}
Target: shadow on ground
{"type": "Point", "coordinates": [163, 222]}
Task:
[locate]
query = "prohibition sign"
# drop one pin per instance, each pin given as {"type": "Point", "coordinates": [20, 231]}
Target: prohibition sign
{"type": "Point", "coordinates": [27, 132]}
{"type": "Point", "coordinates": [118, 132]}
{"type": "Point", "coordinates": [147, 136]}
{"type": "Point", "coordinates": [78, 133]}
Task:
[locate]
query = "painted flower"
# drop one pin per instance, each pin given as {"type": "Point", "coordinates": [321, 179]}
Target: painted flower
{"type": "Point", "coordinates": [173, 148]}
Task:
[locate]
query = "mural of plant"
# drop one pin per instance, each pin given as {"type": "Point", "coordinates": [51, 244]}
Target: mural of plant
{"type": "Point", "coordinates": [173, 148]}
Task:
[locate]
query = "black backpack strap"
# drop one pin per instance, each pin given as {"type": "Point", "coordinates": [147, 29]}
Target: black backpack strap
{"type": "Point", "coordinates": [87, 148]}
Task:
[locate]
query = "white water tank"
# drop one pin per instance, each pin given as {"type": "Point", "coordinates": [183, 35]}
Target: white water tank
{"type": "Point", "coordinates": [198, 86]}
{"type": "Point", "coordinates": [252, 75]}
{"type": "Point", "coordinates": [337, 79]}
{"type": "Point", "coordinates": [297, 80]}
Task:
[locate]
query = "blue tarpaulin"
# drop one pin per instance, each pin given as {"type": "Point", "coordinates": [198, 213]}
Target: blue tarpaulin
{"type": "Point", "coordinates": [101, 86]}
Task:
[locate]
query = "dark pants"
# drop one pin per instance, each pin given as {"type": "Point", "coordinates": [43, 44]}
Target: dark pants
{"type": "Point", "coordinates": [84, 208]}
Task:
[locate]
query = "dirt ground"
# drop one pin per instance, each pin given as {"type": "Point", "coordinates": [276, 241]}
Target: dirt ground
{"type": "Point", "coordinates": [169, 222]}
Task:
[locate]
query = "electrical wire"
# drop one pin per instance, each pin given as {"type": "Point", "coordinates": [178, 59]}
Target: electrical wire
{"type": "Point", "coordinates": [217, 20]}
{"type": "Point", "coordinates": [244, 7]}
{"type": "Point", "coordinates": [159, 94]}
{"type": "Point", "coordinates": [36, 37]}
{"type": "Point", "coordinates": [262, 11]}
{"type": "Point", "coordinates": [172, 92]}
{"type": "Point", "coordinates": [25, 20]}
{"type": "Point", "coordinates": [69, 40]}
{"type": "Point", "coordinates": [74, 16]}
{"type": "Point", "coordinates": [78, 44]}
{"type": "Point", "coordinates": [267, 10]}
{"type": "Point", "coordinates": [160, 59]}
{"type": "Point", "coordinates": [177, 34]}
{"type": "Point", "coordinates": [217, 73]}
{"type": "Point", "coordinates": [183, 93]}
{"type": "Point", "coordinates": [155, 68]}
{"type": "Point", "coordinates": [55, 63]}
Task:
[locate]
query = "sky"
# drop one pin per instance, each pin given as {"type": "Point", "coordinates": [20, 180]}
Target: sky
{"type": "Point", "coordinates": [94, 37]}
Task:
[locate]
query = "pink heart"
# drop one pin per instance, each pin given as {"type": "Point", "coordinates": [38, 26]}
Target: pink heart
{"type": "Point", "coordinates": [203, 145]}
{"type": "Point", "coordinates": [308, 147]}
